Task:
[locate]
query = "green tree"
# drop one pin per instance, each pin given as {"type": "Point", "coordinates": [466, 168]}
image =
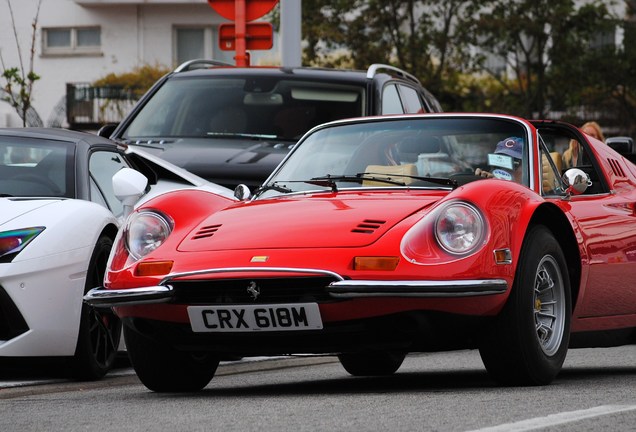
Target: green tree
{"type": "Point", "coordinates": [543, 43]}
{"type": "Point", "coordinates": [18, 88]}
{"type": "Point", "coordinates": [428, 38]}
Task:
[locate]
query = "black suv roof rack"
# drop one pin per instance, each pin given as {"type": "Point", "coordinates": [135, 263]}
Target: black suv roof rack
{"type": "Point", "coordinates": [199, 64]}
{"type": "Point", "coordinates": [376, 67]}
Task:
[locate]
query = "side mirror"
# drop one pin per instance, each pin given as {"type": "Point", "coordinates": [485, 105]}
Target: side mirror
{"type": "Point", "coordinates": [242, 192]}
{"type": "Point", "coordinates": [107, 130]}
{"type": "Point", "coordinates": [129, 185]}
{"type": "Point", "coordinates": [576, 181]}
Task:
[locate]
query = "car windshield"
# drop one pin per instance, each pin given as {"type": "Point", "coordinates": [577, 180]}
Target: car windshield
{"type": "Point", "coordinates": [35, 168]}
{"type": "Point", "coordinates": [424, 151]}
{"type": "Point", "coordinates": [258, 108]}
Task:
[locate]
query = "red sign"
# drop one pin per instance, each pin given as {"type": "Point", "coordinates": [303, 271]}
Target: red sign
{"type": "Point", "coordinates": [258, 36]}
{"type": "Point", "coordinates": [253, 8]}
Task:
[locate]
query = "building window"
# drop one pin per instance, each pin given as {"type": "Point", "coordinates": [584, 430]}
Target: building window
{"type": "Point", "coordinates": [71, 41]}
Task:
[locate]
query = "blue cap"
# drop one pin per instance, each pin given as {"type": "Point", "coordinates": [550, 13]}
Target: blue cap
{"type": "Point", "coordinates": [511, 146]}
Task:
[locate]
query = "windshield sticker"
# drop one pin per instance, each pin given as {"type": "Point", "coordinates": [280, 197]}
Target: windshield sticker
{"type": "Point", "coordinates": [500, 160]}
{"type": "Point", "coordinates": [501, 174]}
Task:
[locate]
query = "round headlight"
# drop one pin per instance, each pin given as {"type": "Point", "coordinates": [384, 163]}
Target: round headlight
{"type": "Point", "coordinates": [145, 232]}
{"type": "Point", "coordinates": [459, 228]}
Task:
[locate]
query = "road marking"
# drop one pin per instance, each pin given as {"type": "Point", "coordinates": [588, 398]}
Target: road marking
{"type": "Point", "coordinates": [557, 419]}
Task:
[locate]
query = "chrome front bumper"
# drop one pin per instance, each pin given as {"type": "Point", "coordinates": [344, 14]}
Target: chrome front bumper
{"type": "Point", "coordinates": [340, 288]}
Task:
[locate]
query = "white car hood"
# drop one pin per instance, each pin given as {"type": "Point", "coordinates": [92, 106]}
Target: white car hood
{"type": "Point", "coordinates": [11, 208]}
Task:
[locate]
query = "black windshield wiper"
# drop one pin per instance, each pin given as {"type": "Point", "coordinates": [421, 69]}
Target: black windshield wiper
{"type": "Point", "coordinates": [272, 186]}
{"type": "Point", "coordinates": [437, 180]}
{"type": "Point", "coordinates": [330, 180]}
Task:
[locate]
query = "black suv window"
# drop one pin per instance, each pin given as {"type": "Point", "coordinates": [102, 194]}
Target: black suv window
{"type": "Point", "coordinates": [234, 125]}
{"type": "Point", "coordinates": [260, 107]}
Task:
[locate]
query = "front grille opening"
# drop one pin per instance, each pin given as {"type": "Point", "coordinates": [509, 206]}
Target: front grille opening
{"type": "Point", "coordinates": [12, 322]}
{"type": "Point", "coordinates": [270, 290]}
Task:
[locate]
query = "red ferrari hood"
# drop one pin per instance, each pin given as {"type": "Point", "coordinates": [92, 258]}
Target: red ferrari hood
{"type": "Point", "coordinates": [307, 222]}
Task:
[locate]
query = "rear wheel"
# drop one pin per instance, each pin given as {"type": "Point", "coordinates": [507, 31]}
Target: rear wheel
{"type": "Point", "coordinates": [164, 369]}
{"type": "Point", "coordinates": [100, 329]}
{"type": "Point", "coordinates": [528, 341]}
{"type": "Point", "coordinates": [372, 363]}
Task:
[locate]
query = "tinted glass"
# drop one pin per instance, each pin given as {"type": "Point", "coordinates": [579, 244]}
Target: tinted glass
{"type": "Point", "coordinates": [103, 165]}
{"type": "Point", "coordinates": [221, 107]}
{"type": "Point", "coordinates": [36, 167]}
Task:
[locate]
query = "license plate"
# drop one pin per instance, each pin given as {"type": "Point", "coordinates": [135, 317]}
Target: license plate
{"type": "Point", "coordinates": [246, 318]}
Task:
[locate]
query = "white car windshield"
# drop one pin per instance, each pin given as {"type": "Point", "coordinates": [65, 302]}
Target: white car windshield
{"type": "Point", "coordinates": [35, 168]}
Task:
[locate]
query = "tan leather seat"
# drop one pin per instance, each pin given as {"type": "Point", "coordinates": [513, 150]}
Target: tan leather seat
{"type": "Point", "coordinates": [392, 171]}
{"type": "Point", "coordinates": [549, 180]}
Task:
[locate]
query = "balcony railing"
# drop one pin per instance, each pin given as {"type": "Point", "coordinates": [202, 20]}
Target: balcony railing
{"type": "Point", "coordinates": [89, 108]}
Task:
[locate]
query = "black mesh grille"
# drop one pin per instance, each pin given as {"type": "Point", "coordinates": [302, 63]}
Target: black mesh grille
{"type": "Point", "coordinates": [270, 290]}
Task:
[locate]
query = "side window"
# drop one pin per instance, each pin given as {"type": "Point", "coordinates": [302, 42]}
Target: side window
{"type": "Point", "coordinates": [566, 151]}
{"type": "Point", "coordinates": [411, 99]}
{"type": "Point", "coordinates": [102, 166]}
{"type": "Point", "coordinates": [391, 100]}
{"type": "Point", "coordinates": [551, 168]}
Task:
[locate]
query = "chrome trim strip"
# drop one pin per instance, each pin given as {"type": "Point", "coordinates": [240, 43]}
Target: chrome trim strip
{"type": "Point", "coordinates": [172, 276]}
{"type": "Point", "coordinates": [102, 297]}
{"type": "Point", "coordinates": [162, 293]}
{"type": "Point", "coordinates": [416, 288]}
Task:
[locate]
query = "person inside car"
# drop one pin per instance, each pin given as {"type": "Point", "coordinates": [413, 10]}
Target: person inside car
{"type": "Point", "coordinates": [506, 161]}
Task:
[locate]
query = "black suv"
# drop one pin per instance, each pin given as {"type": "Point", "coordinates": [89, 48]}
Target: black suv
{"type": "Point", "coordinates": [233, 125]}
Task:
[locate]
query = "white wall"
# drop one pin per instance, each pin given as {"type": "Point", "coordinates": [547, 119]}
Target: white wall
{"type": "Point", "coordinates": [133, 33]}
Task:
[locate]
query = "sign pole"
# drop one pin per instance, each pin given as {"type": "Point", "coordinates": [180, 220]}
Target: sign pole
{"type": "Point", "coordinates": [241, 59]}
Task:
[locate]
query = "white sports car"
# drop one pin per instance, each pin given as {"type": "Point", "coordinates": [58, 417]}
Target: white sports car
{"type": "Point", "coordinates": [58, 218]}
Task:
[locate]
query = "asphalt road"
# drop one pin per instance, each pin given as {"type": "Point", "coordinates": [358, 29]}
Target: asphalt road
{"type": "Point", "coordinates": [431, 392]}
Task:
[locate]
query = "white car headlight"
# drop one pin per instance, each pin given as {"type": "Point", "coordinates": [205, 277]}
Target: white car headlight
{"type": "Point", "coordinates": [460, 228]}
{"type": "Point", "coordinates": [145, 232]}
{"type": "Point", "coordinates": [13, 242]}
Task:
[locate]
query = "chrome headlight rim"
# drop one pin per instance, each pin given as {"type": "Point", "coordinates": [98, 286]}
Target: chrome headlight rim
{"type": "Point", "coordinates": [479, 238]}
{"type": "Point", "coordinates": [164, 223]}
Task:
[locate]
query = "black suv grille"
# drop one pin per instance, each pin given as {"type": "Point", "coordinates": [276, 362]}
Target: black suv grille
{"type": "Point", "coordinates": [270, 290]}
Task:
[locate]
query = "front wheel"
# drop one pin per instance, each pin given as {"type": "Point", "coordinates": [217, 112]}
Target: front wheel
{"type": "Point", "coordinates": [372, 363]}
{"type": "Point", "coordinates": [528, 341]}
{"type": "Point", "coordinates": [100, 329]}
{"type": "Point", "coordinates": [164, 369]}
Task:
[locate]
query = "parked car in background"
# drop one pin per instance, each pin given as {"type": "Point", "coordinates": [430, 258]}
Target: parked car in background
{"type": "Point", "coordinates": [382, 236]}
{"type": "Point", "coordinates": [58, 219]}
{"type": "Point", "coordinates": [234, 125]}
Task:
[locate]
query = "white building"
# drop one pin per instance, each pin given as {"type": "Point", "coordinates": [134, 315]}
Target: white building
{"type": "Point", "coordinates": [83, 40]}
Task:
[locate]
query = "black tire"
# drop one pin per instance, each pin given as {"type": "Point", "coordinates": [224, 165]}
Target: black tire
{"type": "Point", "coordinates": [528, 341]}
{"type": "Point", "coordinates": [372, 363]}
{"type": "Point", "coordinates": [100, 329]}
{"type": "Point", "coordinates": [163, 369]}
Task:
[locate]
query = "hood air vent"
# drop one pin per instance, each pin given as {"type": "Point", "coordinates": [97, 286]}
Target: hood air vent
{"type": "Point", "coordinates": [206, 231]}
{"type": "Point", "coordinates": [368, 226]}
{"type": "Point", "coordinates": [616, 167]}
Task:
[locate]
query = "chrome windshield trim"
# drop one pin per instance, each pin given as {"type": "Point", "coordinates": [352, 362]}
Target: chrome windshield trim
{"type": "Point", "coordinates": [416, 288]}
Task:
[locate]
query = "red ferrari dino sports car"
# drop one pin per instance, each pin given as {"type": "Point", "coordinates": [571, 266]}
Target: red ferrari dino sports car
{"type": "Point", "coordinates": [381, 236]}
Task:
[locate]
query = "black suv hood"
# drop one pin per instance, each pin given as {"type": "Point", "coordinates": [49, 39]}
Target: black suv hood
{"type": "Point", "coordinates": [226, 161]}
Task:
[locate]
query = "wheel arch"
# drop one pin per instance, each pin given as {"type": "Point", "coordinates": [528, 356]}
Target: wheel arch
{"type": "Point", "coordinates": [110, 230]}
{"type": "Point", "coordinates": [553, 218]}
